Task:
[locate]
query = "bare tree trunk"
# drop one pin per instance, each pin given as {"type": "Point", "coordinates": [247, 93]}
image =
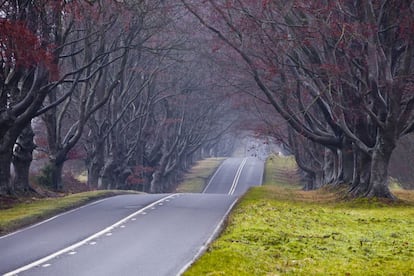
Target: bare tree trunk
{"type": "Point", "coordinates": [379, 170]}
{"type": "Point", "coordinates": [6, 155]}
{"type": "Point", "coordinates": [56, 167]}
{"type": "Point", "coordinates": [362, 173]}
{"type": "Point", "coordinates": [95, 163]}
{"type": "Point", "coordinates": [94, 170]}
{"type": "Point", "coordinates": [309, 178]}
{"type": "Point", "coordinates": [106, 178]}
{"type": "Point", "coordinates": [56, 155]}
{"type": "Point", "coordinates": [330, 167]}
{"type": "Point", "coordinates": [347, 170]}
{"type": "Point", "coordinates": [22, 158]}
{"type": "Point", "coordinates": [5, 162]}
{"type": "Point", "coordinates": [155, 182]}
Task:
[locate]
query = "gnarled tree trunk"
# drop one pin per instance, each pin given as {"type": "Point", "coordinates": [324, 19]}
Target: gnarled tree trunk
{"type": "Point", "coordinates": [22, 158]}
{"type": "Point", "coordinates": [5, 162]}
{"type": "Point", "coordinates": [6, 154]}
{"type": "Point", "coordinates": [95, 163]}
{"type": "Point", "coordinates": [56, 167]}
{"type": "Point", "coordinates": [381, 155]}
{"type": "Point", "coordinates": [362, 172]}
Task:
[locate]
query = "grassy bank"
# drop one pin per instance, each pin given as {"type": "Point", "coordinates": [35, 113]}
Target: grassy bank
{"type": "Point", "coordinates": [281, 171]}
{"type": "Point", "coordinates": [195, 180]}
{"type": "Point", "coordinates": [281, 230]}
{"type": "Point", "coordinates": [34, 210]}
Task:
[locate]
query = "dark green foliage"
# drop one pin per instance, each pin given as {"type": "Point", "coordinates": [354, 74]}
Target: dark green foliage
{"type": "Point", "coordinates": [45, 177]}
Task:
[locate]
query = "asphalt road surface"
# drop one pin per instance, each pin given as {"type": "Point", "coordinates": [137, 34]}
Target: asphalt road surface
{"type": "Point", "coordinates": [154, 234]}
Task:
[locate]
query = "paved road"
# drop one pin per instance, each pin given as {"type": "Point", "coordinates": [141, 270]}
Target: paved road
{"type": "Point", "coordinates": [157, 234]}
{"type": "Point", "coordinates": [235, 176]}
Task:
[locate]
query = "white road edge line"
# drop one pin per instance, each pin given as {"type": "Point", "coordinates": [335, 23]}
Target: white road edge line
{"type": "Point", "coordinates": [204, 247]}
{"type": "Point", "coordinates": [237, 176]}
{"type": "Point", "coordinates": [78, 244]}
{"type": "Point", "coordinates": [262, 176]}
{"type": "Point", "coordinates": [211, 179]}
{"type": "Point", "coordinates": [55, 217]}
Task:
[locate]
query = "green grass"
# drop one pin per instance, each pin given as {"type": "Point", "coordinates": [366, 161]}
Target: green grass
{"type": "Point", "coordinates": [196, 179]}
{"type": "Point", "coordinates": [281, 170]}
{"type": "Point", "coordinates": [34, 210]}
{"type": "Point", "coordinates": [280, 230]}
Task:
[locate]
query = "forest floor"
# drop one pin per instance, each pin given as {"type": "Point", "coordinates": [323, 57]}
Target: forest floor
{"type": "Point", "coordinates": [279, 229]}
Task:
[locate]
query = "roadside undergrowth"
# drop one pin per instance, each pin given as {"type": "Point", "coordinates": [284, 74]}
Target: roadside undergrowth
{"type": "Point", "coordinates": [282, 230]}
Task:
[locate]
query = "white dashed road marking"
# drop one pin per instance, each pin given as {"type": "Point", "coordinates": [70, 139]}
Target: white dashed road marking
{"type": "Point", "coordinates": [106, 231]}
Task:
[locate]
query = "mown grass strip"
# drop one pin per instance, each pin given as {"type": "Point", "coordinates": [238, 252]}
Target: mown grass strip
{"type": "Point", "coordinates": [197, 178]}
{"type": "Point", "coordinates": [278, 230]}
{"type": "Point", "coordinates": [27, 213]}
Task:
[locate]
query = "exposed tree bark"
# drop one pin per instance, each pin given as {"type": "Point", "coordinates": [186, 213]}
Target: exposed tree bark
{"type": "Point", "coordinates": [22, 158]}
{"type": "Point", "coordinates": [378, 185]}
{"type": "Point", "coordinates": [56, 167]}
{"type": "Point", "coordinates": [5, 162]}
{"type": "Point", "coordinates": [95, 163]}
{"type": "Point", "coordinates": [361, 175]}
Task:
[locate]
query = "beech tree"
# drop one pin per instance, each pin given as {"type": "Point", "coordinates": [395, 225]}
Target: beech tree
{"type": "Point", "coordinates": [99, 47]}
{"type": "Point", "coordinates": [118, 133]}
{"type": "Point", "coordinates": [339, 72]}
{"type": "Point", "coordinates": [28, 71]}
{"type": "Point", "coordinates": [194, 118]}
{"type": "Point", "coordinates": [401, 160]}
{"type": "Point", "coordinates": [115, 132]}
{"type": "Point", "coordinates": [170, 120]}
{"type": "Point", "coordinates": [47, 52]}
{"type": "Point", "coordinates": [161, 113]}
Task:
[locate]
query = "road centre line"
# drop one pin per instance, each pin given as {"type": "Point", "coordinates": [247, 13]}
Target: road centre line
{"type": "Point", "coordinates": [237, 177]}
{"type": "Point", "coordinates": [84, 241]}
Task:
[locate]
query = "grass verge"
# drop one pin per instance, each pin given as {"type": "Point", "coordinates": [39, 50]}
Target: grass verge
{"type": "Point", "coordinates": [280, 230]}
{"type": "Point", "coordinates": [196, 179]}
{"type": "Point", "coordinates": [281, 171]}
{"type": "Point", "coordinates": [27, 213]}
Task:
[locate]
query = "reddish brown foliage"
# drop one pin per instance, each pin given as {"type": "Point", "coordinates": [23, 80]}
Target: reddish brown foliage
{"type": "Point", "coordinates": [72, 184]}
{"type": "Point", "coordinates": [137, 176]}
{"type": "Point", "coordinates": [20, 47]}
{"type": "Point", "coordinates": [76, 153]}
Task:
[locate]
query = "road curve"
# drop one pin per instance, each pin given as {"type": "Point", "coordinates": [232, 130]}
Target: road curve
{"type": "Point", "coordinates": [235, 176]}
{"type": "Point", "coordinates": [157, 234]}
